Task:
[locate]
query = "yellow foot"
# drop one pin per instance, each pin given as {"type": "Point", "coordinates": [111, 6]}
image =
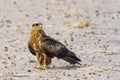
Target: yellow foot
{"type": "Point", "coordinates": [44, 67]}
{"type": "Point", "coordinates": [38, 66]}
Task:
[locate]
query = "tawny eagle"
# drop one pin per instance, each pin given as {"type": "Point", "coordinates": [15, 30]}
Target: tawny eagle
{"type": "Point", "coordinates": [46, 47]}
{"type": "Point", "coordinates": [33, 45]}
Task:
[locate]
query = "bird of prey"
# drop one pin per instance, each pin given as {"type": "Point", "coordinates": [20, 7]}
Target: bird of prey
{"type": "Point", "coordinates": [47, 47]}
{"type": "Point", "coordinates": [33, 46]}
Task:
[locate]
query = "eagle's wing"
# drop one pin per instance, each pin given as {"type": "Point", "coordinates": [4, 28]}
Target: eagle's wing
{"type": "Point", "coordinates": [31, 49]}
{"type": "Point", "coordinates": [52, 48]}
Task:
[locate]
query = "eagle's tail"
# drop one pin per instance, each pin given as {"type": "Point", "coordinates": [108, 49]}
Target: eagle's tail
{"type": "Point", "coordinates": [72, 58]}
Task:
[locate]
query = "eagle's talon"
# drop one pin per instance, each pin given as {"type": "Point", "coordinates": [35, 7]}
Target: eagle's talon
{"type": "Point", "coordinates": [44, 67]}
{"type": "Point", "coordinates": [38, 66]}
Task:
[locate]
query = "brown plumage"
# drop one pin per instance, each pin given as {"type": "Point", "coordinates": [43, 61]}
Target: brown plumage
{"type": "Point", "coordinates": [48, 47]}
{"type": "Point", "coordinates": [33, 45]}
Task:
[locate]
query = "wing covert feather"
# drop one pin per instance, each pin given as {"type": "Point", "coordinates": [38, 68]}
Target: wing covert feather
{"type": "Point", "coordinates": [53, 48]}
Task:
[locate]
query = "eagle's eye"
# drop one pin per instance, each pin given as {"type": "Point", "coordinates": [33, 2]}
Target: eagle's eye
{"type": "Point", "coordinates": [37, 24]}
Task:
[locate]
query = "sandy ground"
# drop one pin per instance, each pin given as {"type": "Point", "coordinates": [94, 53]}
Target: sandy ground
{"type": "Point", "coordinates": [98, 45]}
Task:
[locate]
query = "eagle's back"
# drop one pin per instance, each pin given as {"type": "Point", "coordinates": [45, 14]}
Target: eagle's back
{"type": "Point", "coordinates": [53, 48]}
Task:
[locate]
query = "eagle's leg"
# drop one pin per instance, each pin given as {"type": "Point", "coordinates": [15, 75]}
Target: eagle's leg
{"type": "Point", "coordinates": [39, 60]}
{"type": "Point", "coordinates": [44, 62]}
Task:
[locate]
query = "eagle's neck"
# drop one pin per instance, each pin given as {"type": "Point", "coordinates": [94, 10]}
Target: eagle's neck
{"type": "Point", "coordinates": [41, 32]}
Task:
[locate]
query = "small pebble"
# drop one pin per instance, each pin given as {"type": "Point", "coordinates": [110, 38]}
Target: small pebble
{"type": "Point", "coordinates": [15, 50]}
{"type": "Point", "coordinates": [99, 39]}
{"type": "Point", "coordinates": [69, 75]}
{"type": "Point", "coordinates": [5, 67]}
{"type": "Point", "coordinates": [99, 75]}
{"type": "Point", "coordinates": [24, 50]}
{"type": "Point", "coordinates": [8, 21]}
{"type": "Point", "coordinates": [57, 33]}
{"type": "Point", "coordinates": [118, 12]}
{"type": "Point", "coordinates": [9, 57]}
{"type": "Point", "coordinates": [90, 73]}
{"type": "Point", "coordinates": [53, 66]}
{"type": "Point", "coordinates": [64, 73]}
{"type": "Point", "coordinates": [110, 60]}
{"type": "Point", "coordinates": [14, 2]}
{"type": "Point", "coordinates": [94, 73]}
{"type": "Point", "coordinates": [27, 15]}
{"type": "Point", "coordinates": [5, 48]}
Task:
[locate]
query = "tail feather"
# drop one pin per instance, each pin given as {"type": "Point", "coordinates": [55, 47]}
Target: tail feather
{"type": "Point", "coordinates": [72, 58]}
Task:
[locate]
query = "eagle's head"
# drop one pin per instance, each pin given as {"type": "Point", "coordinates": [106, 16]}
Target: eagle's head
{"type": "Point", "coordinates": [37, 26]}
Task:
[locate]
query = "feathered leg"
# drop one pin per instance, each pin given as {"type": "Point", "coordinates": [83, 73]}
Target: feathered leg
{"type": "Point", "coordinates": [39, 60]}
{"type": "Point", "coordinates": [44, 62]}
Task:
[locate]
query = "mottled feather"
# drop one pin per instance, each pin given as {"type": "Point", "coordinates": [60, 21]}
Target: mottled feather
{"type": "Point", "coordinates": [53, 48]}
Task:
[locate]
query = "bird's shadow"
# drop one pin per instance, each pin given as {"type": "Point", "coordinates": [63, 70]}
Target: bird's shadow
{"type": "Point", "coordinates": [73, 67]}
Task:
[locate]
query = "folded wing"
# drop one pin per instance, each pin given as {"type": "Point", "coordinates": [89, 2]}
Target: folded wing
{"type": "Point", "coordinates": [54, 48]}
